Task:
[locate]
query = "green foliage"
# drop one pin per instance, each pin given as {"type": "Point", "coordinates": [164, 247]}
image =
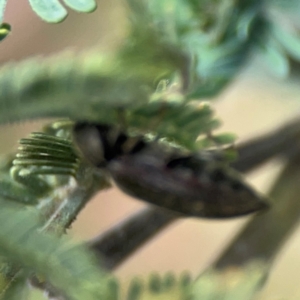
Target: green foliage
{"type": "Point", "coordinates": [282, 42]}
{"type": "Point", "coordinates": [56, 87]}
{"type": "Point", "coordinates": [53, 11]}
{"type": "Point", "coordinates": [275, 58]}
{"type": "Point", "coordinates": [50, 11]}
{"type": "Point", "coordinates": [193, 121]}
{"type": "Point", "coordinates": [46, 154]}
{"type": "Point", "coordinates": [64, 264]}
{"type": "Point", "coordinates": [194, 47]}
{"type": "Point", "coordinates": [167, 287]}
{"type": "Point", "coordinates": [82, 5]}
{"type": "Point", "coordinates": [234, 283]}
{"type": "Point", "coordinates": [214, 37]}
{"type": "Point", "coordinates": [37, 174]}
{"type": "Point", "coordinates": [176, 52]}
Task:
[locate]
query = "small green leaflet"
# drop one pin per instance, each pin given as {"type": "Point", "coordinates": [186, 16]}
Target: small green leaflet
{"type": "Point", "coordinates": [275, 57]}
{"type": "Point", "coordinates": [2, 9]}
{"type": "Point", "coordinates": [82, 5]}
{"type": "Point", "coordinates": [49, 10]}
{"type": "Point", "coordinates": [53, 11]}
{"type": "Point", "coordinates": [289, 40]}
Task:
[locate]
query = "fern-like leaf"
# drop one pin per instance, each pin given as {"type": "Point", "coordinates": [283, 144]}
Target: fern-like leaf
{"type": "Point", "coordinates": [68, 267]}
{"type": "Point", "coordinates": [56, 88]}
{"type": "Point", "coordinates": [83, 87]}
{"type": "Point", "coordinates": [234, 283]}
{"type": "Point", "coordinates": [178, 122]}
{"type": "Point", "coordinates": [155, 286]}
{"type": "Point", "coordinates": [45, 154]}
{"type": "Point", "coordinates": [217, 37]}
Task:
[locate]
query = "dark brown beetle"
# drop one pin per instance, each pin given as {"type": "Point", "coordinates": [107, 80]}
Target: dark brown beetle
{"type": "Point", "coordinates": [194, 185]}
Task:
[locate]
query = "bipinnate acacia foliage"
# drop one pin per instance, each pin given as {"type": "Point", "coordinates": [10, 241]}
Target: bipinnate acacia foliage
{"type": "Point", "coordinates": [177, 53]}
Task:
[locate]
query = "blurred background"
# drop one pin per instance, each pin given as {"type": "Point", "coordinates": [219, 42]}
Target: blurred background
{"type": "Point", "coordinates": [253, 104]}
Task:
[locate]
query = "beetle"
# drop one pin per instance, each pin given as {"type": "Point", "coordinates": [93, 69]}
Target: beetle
{"type": "Point", "coordinates": [193, 184]}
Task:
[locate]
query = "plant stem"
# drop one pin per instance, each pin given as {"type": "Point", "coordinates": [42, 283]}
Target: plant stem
{"type": "Point", "coordinates": [116, 244]}
{"type": "Point", "coordinates": [265, 234]}
{"type": "Point", "coordinates": [258, 150]}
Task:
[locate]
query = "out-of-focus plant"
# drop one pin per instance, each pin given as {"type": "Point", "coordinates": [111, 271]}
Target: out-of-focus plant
{"type": "Point", "coordinates": [177, 54]}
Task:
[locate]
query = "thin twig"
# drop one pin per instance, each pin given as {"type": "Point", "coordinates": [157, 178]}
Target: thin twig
{"type": "Point", "coordinates": [119, 242]}
{"type": "Point", "coordinates": [283, 141]}
{"type": "Point", "coordinates": [245, 265]}
{"type": "Point", "coordinates": [75, 197]}
{"type": "Point", "coordinates": [116, 244]}
{"type": "Point", "coordinates": [265, 234]}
